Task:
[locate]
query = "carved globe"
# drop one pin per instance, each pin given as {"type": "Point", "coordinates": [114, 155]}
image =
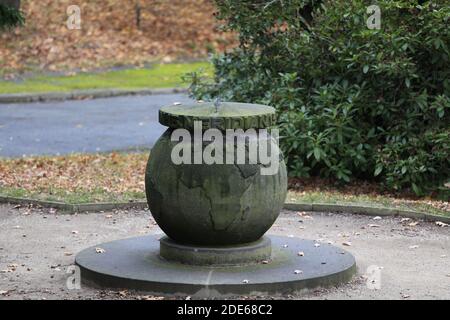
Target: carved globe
{"type": "Point", "coordinates": [213, 204]}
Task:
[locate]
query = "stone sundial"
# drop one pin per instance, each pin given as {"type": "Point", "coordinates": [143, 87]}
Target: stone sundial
{"type": "Point", "coordinates": [215, 218]}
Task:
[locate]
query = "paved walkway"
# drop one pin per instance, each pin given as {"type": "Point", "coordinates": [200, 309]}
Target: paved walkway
{"type": "Point", "coordinates": [82, 126]}
{"type": "Point", "coordinates": [36, 247]}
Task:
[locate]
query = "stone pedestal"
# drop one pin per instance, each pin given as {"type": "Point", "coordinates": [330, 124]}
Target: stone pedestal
{"type": "Point", "coordinates": [235, 255]}
{"type": "Point", "coordinates": [215, 217]}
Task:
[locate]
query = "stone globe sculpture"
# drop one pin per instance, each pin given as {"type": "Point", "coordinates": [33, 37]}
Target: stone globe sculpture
{"type": "Point", "coordinates": [215, 204]}
{"type": "Point", "coordinates": [215, 214]}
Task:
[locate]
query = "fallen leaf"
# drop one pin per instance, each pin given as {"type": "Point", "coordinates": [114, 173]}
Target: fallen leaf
{"type": "Point", "coordinates": [347, 243]}
{"type": "Point", "coordinates": [152, 298]}
{"type": "Point", "coordinates": [100, 250]}
{"type": "Point", "coordinates": [441, 224]}
{"type": "Point", "coordinates": [123, 293]}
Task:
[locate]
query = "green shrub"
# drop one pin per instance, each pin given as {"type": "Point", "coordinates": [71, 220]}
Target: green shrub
{"type": "Point", "coordinates": [10, 17]}
{"type": "Point", "coordinates": [352, 102]}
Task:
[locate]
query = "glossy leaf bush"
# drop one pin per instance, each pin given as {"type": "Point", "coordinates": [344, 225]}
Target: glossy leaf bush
{"type": "Point", "coordinates": [10, 16]}
{"type": "Point", "coordinates": [353, 102]}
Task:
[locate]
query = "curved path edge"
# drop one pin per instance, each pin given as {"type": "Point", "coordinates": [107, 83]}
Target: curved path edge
{"type": "Point", "coordinates": [311, 207]}
{"type": "Point", "coordinates": [83, 94]}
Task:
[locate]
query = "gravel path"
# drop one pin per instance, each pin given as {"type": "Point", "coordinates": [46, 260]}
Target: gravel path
{"type": "Point", "coordinates": [37, 245]}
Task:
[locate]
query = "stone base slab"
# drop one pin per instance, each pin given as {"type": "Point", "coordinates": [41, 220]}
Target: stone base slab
{"type": "Point", "coordinates": [135, 264]}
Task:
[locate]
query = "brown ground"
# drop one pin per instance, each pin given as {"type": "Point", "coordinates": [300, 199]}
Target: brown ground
{"type": "Point", "coordinates": [121, 173]}
{"type": "Point", "coordinates": [109, 36]}
{"type": "Point", "coordinates": [113, 172]}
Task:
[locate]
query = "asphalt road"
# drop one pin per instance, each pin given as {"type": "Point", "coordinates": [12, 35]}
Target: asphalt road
{"type": "Point", "coordinates": [98, 125]}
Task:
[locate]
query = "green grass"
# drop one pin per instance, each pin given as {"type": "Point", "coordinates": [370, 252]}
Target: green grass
{"type": "Point", "coordinates": [100, 195]}
{"type": "Point", "coordinates": [80, 197]}
{"type": "Point", "coordinates": [364, 200]}
{"type": "Point", "coordinates": [159, 76]}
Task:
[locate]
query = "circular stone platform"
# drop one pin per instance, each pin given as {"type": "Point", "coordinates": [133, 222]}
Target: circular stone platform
{"type": "Point", "coordinates": [135, 264]}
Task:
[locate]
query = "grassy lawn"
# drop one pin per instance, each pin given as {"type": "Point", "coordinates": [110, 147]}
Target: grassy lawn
{"type": "Point", "coordinates": [119, 177]}
{"type": "Point", "coordinates": [96, 195]}
{"type": "Point", "coordinates": [159, 76]}
{"type": "Point", "coordinates": [336, 197]}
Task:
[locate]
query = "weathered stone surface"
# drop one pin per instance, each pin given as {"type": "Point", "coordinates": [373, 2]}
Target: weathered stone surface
{"type": "Point", "coordinates": [135, 264]}
{"type": "Point", "coordinates": [251, 253]}
{"type": "Point", "coordinates": [219, 204]}
{"type": "Point", "coordinates": [229, 115]}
